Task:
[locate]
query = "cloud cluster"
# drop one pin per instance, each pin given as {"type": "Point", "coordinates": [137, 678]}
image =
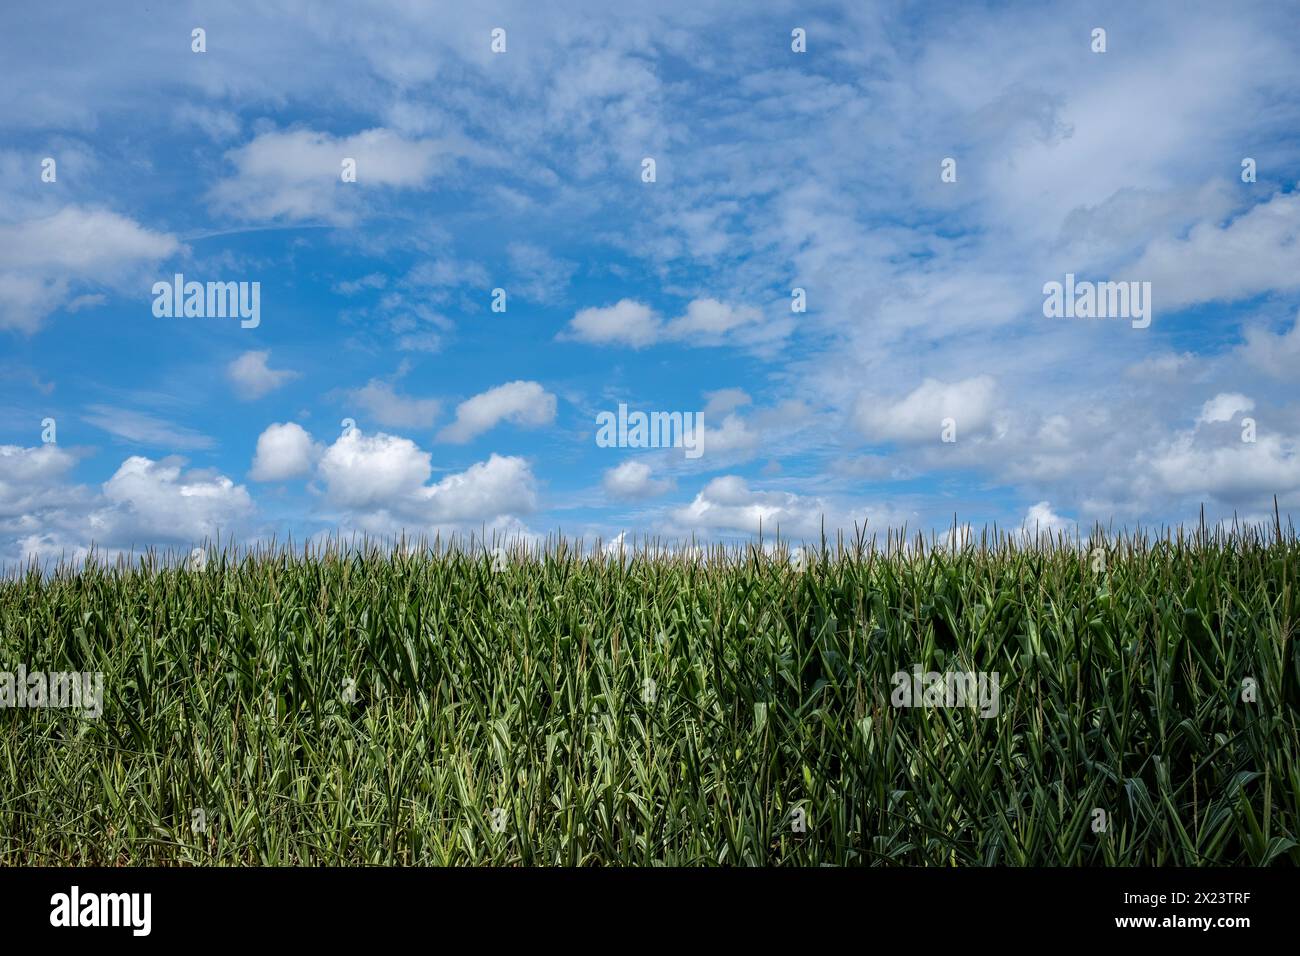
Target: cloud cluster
{"type": "Point", "coordinates": [521, 171]}
{"type": "Point", "coordinates": [383, 483]}
{"type": "Point", "coordinates": [636, 325]}
{"type": "Point", "coordinates": [47, 260]}
{"type": "Point", "coordinates": [252, 378]}
{"type": "Point", "coordinates": [520, 403]}
{"type": "Point", "coordinates": [919, 415]}
{"type": "Point", "coordinates": [633, 480]}
{"type": "Point", "coordinates": [297, 175]}
{"type": "Point", "coordinates": [44, 516]}
{"type": "Point", "coordinates": [728, 505]}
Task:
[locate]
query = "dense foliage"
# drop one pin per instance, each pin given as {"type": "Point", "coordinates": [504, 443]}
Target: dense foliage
{"type": "Point", "coordinates": [438, 706]}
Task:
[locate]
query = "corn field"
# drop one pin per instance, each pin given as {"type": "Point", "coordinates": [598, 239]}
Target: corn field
{"type": "Point", "coordinates": [441, 704]}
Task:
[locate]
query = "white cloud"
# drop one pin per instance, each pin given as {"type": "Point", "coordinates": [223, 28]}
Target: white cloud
{"type": "Point", "coordinates": [617, 545]}
{"type": "Point", "coordinates": [1041, 520]}
{"type": "Point", "coordinates": [522, 403]}
{"type": "Point", "coordinates": [633, 480]}
{"type": "Point", "coordinates": [371, 280]}
{"type": "Point", "coordinates": [1222, 407]}
{"type": "Point", "coordinates": [215, 124]}
{"type": "Point", "coordinates": [143, 429]}
{"type": "Point", "coordinates": [43, 259]}
{"type": "Point", "coordinates": [871, 468]}
{"type": "Point", "coordinates": [779, 429]}
{"type": "Point", "coordinates": [80, 240]}
{"type": "Point", "coordinates": [43, 464]}
{"type": "Point", "coordinates": [25, 300]}
{"type": "Point", "coordinates": [727, 504]}
{"type": "Point", "coordinates": [30, 481]}
{"type": "Point", "coordinates": [1254, 253]}
{"type": "Point", "coordinates": [733, 437]}
{"type": "Point", "coordinates": [49, 547]}
{"type": "Point", "coordinates": [724, 401]}
{"type": "Point", "coordinates": [536, 275]}
{"type": "Point", "coordinates": [917, 279]}
{"type": "Point", "coordinates": [382, 481]}
{"type": "Point", "coordinates": [158, 501]}
{"type": "Point", "coordinates": [1233, 471]}
{"type": "Point", "coordinates": [1166, 367]}
{"type": "Point", "coordinates": [625, 323]}
{"type": "Point", "coordinates": [631, 323]}
{"type": "Point", "coordinates": [284, 451]}
{"type": "Point", "coordinates": [1275, 355]}
{"type": "Point", "coordinates": [365, 471]}
{"type": "Point", "coordinates": [490, 489]}
{"type": "Point", "coordinates": [919, 415]}
{"type": "Point", "coordinates": [384, 405]}
{"type": "Point", "coordinates": [296, 174]}
{"type": "Point", "coordinates": [144, 503]}
{"type": "Point", "coordinates": [252, 378]}
{"type": "Point", "coordinates": [709, 318]}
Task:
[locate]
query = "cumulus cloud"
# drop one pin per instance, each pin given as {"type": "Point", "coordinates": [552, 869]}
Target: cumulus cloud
{"type": "Point", "coordinates": [160, 501]}
{"type": "Point", "coordinates": [31, 481]}
{"type": "Point", "coordinates": [709, 319]}
{"type": "Point", "coordinates": [252, 378]}
{"type": "Point", "coordinates": [490, 489]}
{"type": "Point", "coordinates": [22, 467]}
{"type": "Point", "coordinates": [383, 481]}
{"type": "Point", "coordinates": [728, 504]}
{"type": "Point", "coordinates": [145, 502]}
{"type": "Point", "coordinates": [1254, 253]}
{"type": "Point", "coordinates": [618, 545]}
{"type": "Point", "coordinates": [365, 471]}
{"type": "Point", "coordinates": [45, 259]}
{"type": "Point", "coordinates": [723, 401]}
{"type": "Point", "coordinates": [1227, 468]}
{"type": "Point", "coordinates": [382, 403]}
{"type": "Point", "coordinates": [1222, 407]}
{"type": "Point", "coordinates": [80, 240]}
{"type": "Point", "coordinates": [631, 323]}
{"type": "Point", "coordinates": [284, 451]}
{"type": "Point", "coordinates": [42, 517]}
{"type": "Point", "coordinates": [214, 123]}
{"type": "Point", "coordinates": [1275, 355]}
{"type": "Point", "coordinates": [295, 174]}
{"type": "Point", "coordinates": [633, 480]}
{"type": "Point", "coordinates": [1040, 520]}
{"type": "Point", "coordinates": [732, 438]}
{"type": "Point", "coordinates": [918, 416]}
{"type": "Point", "coordinates": [626, 322]}
{"type": "Point", "coordinates": [911, 276]}
{"type": "Point", "coordinates": [521, 403]}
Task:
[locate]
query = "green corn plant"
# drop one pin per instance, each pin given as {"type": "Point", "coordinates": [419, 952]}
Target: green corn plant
{"type": "Point", "coordinates": [434, 703]}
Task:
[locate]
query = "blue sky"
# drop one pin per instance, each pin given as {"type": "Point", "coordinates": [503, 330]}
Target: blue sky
{"type": "Point", "coordinates": [522, 171]}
